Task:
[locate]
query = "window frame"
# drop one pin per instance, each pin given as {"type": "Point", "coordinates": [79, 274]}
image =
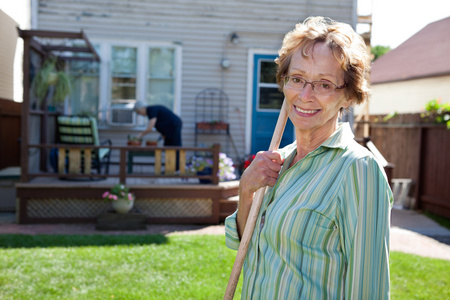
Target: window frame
{"type": "Point", "coordinates": [142, 73]}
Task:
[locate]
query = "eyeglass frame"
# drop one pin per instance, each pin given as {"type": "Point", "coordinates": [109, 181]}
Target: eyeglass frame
{"type": "Point", "coordinates": [312, 83]}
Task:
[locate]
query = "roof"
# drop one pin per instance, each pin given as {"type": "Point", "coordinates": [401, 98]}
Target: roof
{"type": "Point", "coordinates": [425, 54]}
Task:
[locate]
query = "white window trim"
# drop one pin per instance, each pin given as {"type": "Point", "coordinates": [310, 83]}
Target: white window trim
{"type": "Point", "coordinates": [142, 56]}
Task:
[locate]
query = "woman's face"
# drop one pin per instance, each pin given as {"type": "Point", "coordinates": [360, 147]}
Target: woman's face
{"type": "Point", "coordinates": [309, 111]}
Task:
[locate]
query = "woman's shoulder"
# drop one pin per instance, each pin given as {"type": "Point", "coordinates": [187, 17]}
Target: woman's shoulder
{"type": "Point", "coordinates": [362, 156]}
{"type": "Point", "coordinates": [357, 151]}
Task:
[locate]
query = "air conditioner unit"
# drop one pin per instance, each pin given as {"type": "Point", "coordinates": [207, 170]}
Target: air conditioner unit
{"type": "Point", "coordinates": [122, 115]}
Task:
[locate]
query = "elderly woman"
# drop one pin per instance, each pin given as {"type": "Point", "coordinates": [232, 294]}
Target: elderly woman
{"type": "Point", "coordinates": [323, 228]}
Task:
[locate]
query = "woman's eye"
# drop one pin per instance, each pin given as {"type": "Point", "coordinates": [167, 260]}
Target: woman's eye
{"type": "Point", "coordinates": [296, 80]}
{"type": "Point", "coordinates": [325, 85]}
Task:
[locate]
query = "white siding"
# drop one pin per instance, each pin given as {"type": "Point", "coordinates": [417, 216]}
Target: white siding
{"type": "Point", "coordinates": [202, 28]}
{"type": "Point", "coordinates": [8, 38]}
{"type": "Point", "coordinates": [408, 96]}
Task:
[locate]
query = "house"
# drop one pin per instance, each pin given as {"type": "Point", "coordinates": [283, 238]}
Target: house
{"type": "Point", "coordinates": [167, 52]}
{"type": "Point", "coordinates": [9, 114]}
{"type": "Point", "coordinates": [159, 52]}
{"type": "Point", "coordinates": [417, 71]}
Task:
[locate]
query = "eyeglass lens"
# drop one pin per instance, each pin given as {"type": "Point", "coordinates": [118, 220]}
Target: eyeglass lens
{"type": "Point", "coordinates": [320, 87]}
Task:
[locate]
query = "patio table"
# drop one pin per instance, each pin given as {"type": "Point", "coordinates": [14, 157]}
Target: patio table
{"type": "Point", "coordinates": [132, 154]}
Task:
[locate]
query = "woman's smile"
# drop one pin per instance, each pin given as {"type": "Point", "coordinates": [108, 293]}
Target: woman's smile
{"type": "Point", "coordinates": [306, 112]}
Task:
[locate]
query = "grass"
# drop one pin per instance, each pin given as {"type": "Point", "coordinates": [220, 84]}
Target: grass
{"type": "Point", "coordinates": [159, 267]}
{"type": "Point", "coordinates": [415, 277]}
{"type": "Point", "coordinates": [114, 267]}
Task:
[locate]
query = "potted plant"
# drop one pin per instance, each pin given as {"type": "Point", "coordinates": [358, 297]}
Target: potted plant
{"type": "Point", "coordinates": [151, 142]}
{"type": "Point", "coordinates": [437, 112]}
{"type": "Point", "coordinates": [203, 166]}
{"type": "Point", "coordinates": [245, 163]}
{"type": "Point", "coordinates": [134, 141]}
{"type": "Point", "coordinates": [121, 198]}
{"type": "Point", "coordinates": [50, 76]}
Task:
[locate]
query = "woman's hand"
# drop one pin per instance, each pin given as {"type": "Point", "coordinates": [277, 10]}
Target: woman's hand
{"type": "Point", "coordinates": [263, 171]}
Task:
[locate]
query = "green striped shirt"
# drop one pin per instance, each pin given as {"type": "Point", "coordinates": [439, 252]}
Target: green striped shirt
{"type": "Point", "coordinates": [323, 229]}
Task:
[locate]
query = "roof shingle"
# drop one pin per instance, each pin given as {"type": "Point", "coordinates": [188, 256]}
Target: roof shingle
{"type": "Point", "coordinates": [425, 54]}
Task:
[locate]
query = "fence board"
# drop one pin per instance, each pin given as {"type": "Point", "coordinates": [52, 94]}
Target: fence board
{"type": "Point", "coordinates": [419, 151]}
{"type": "Point", "coordinates": [9, 133]}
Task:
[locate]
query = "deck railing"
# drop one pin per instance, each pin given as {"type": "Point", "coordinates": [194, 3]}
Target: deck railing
{"type": "Point", "coordinates": [164, 162]}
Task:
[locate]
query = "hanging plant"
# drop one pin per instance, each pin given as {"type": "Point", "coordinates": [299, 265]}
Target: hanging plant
{"type": "Point", "coordinates": [48, 76]}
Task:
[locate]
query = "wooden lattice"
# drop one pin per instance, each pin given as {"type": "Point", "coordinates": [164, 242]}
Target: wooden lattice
{"type": "Point", "coordinates": [92, 208]}
{"type": "Point", "coordinates": [175, 207]}
{"type": "Point", "coordinates": [66, 208]}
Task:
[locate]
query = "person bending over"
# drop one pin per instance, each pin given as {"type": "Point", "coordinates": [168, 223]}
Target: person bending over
{"type": "Point", "coordinates": [164, 120]}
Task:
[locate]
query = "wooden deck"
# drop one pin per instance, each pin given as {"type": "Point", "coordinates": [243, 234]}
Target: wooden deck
{"type": "Point", "coordinates": [163, 194]}
{"type": "Point", "coordinates": [161, 200]}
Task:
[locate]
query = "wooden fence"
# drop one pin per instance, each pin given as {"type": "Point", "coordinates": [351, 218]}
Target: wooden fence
{"type": "Point", "coordinates": [419, 151]}
{"type": "Point", "coordinates": [9, 133]}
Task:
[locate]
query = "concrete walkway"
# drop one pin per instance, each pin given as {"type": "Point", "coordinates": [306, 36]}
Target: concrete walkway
{"type": "Point", "coordinates": [414, 233]}
{"type": "Point", "coordinates": [411, 232]}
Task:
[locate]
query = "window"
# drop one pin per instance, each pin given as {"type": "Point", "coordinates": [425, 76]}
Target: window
{"type": "Point", "coordinates": [161, 77]}
{"type": "Point", "coordinates": [123, 73]}
{"type": "Point", "coordinates": [269, 95]}
{"type": "Point", "coordinates": [127, 72]}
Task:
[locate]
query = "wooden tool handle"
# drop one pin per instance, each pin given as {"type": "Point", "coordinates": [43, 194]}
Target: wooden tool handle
{"type": "Point", "coordinates": [254, 211]}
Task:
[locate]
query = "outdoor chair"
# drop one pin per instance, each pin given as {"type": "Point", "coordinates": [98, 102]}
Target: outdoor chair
{"type": "Point", "coordinates": [401, 189]}
{"type": "Point", "coordinates": [81, 131]}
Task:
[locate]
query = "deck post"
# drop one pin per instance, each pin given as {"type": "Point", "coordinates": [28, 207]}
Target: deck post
{"type": "Point", "coordinates": [216, 152]}
{"type": "Point", "coordinates": [122, 166]}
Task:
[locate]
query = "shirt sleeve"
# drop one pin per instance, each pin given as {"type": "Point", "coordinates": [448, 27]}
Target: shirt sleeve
{"type": "Point", "coordinates": [364, 220]}
{"type": "Point", "coordinates": [231, 233]}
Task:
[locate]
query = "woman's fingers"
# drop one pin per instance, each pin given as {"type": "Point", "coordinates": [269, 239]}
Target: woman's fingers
{"type": "Point", "coordinates": [263, 171]}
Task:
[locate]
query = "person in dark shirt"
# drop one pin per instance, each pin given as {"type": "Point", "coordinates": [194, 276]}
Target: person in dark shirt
{"type": "Point", "coordinates": [164, 120]}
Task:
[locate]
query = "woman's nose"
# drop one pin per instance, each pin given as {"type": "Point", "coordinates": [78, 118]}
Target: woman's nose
{"type": "Point", "coordinates": [306, 92]}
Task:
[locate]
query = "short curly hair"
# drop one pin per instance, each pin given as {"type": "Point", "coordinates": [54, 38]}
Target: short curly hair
{"type": "Point", "coordinates": [347, 46]}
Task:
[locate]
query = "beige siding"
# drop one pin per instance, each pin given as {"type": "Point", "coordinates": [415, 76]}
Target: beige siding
{"type": "Point", "coordinates": [408, 96]}
{"type": "Point", "coordinates": [202, 28]}
{"type": "Point", "coordinates": [8, 38]}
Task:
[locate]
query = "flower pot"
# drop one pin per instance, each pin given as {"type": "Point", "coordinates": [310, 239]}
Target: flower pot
{"type": "Point", "coordinates": [122, 206]}
{"type": "Point", "coordinates": [133, 143]}
{"type": "Point", "coordinates": [206, 171]}
{"type": "Point", "coordinates": [151, 143]}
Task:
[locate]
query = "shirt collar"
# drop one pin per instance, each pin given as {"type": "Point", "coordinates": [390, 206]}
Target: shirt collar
{"type": "Point", "coordinates": [341, 138]}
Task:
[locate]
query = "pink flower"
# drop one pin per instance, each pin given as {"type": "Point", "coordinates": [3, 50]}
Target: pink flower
{"type": "Point", "coordinates": [105, 194]}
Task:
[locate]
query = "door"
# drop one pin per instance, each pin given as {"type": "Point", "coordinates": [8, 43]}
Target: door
{"type": "Point", "coordinates": [266, 104]}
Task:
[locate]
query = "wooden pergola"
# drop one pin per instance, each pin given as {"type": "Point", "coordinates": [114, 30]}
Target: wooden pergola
{"type": "Point", "coordinates": [63, 45]}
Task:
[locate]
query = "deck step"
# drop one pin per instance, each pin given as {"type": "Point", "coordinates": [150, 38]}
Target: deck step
{"type": "Point", "coordinates": [227, 207]}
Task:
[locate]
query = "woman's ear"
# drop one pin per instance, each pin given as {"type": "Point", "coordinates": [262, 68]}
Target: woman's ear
{"type": "Point", "coordinates": [347, 103]}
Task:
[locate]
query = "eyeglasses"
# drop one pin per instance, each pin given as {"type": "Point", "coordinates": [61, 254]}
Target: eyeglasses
{"type": "Point", "coordinates": [320, 87]}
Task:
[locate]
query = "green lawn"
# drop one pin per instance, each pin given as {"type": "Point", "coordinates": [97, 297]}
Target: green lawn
{"type": "Point", "coordinates": [158, 267]}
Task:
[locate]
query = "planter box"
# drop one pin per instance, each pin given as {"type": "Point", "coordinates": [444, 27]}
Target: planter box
{"type": "Point", "coordinates": [134, 143]}
{"type": "Point", "coordinates": [151, 143]}
{"type": "Point", "coordinates": [212, 126]}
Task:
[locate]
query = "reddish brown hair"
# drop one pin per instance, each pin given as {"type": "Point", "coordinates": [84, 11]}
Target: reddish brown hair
{"type": "Point", "coordinates": [347, 46]}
